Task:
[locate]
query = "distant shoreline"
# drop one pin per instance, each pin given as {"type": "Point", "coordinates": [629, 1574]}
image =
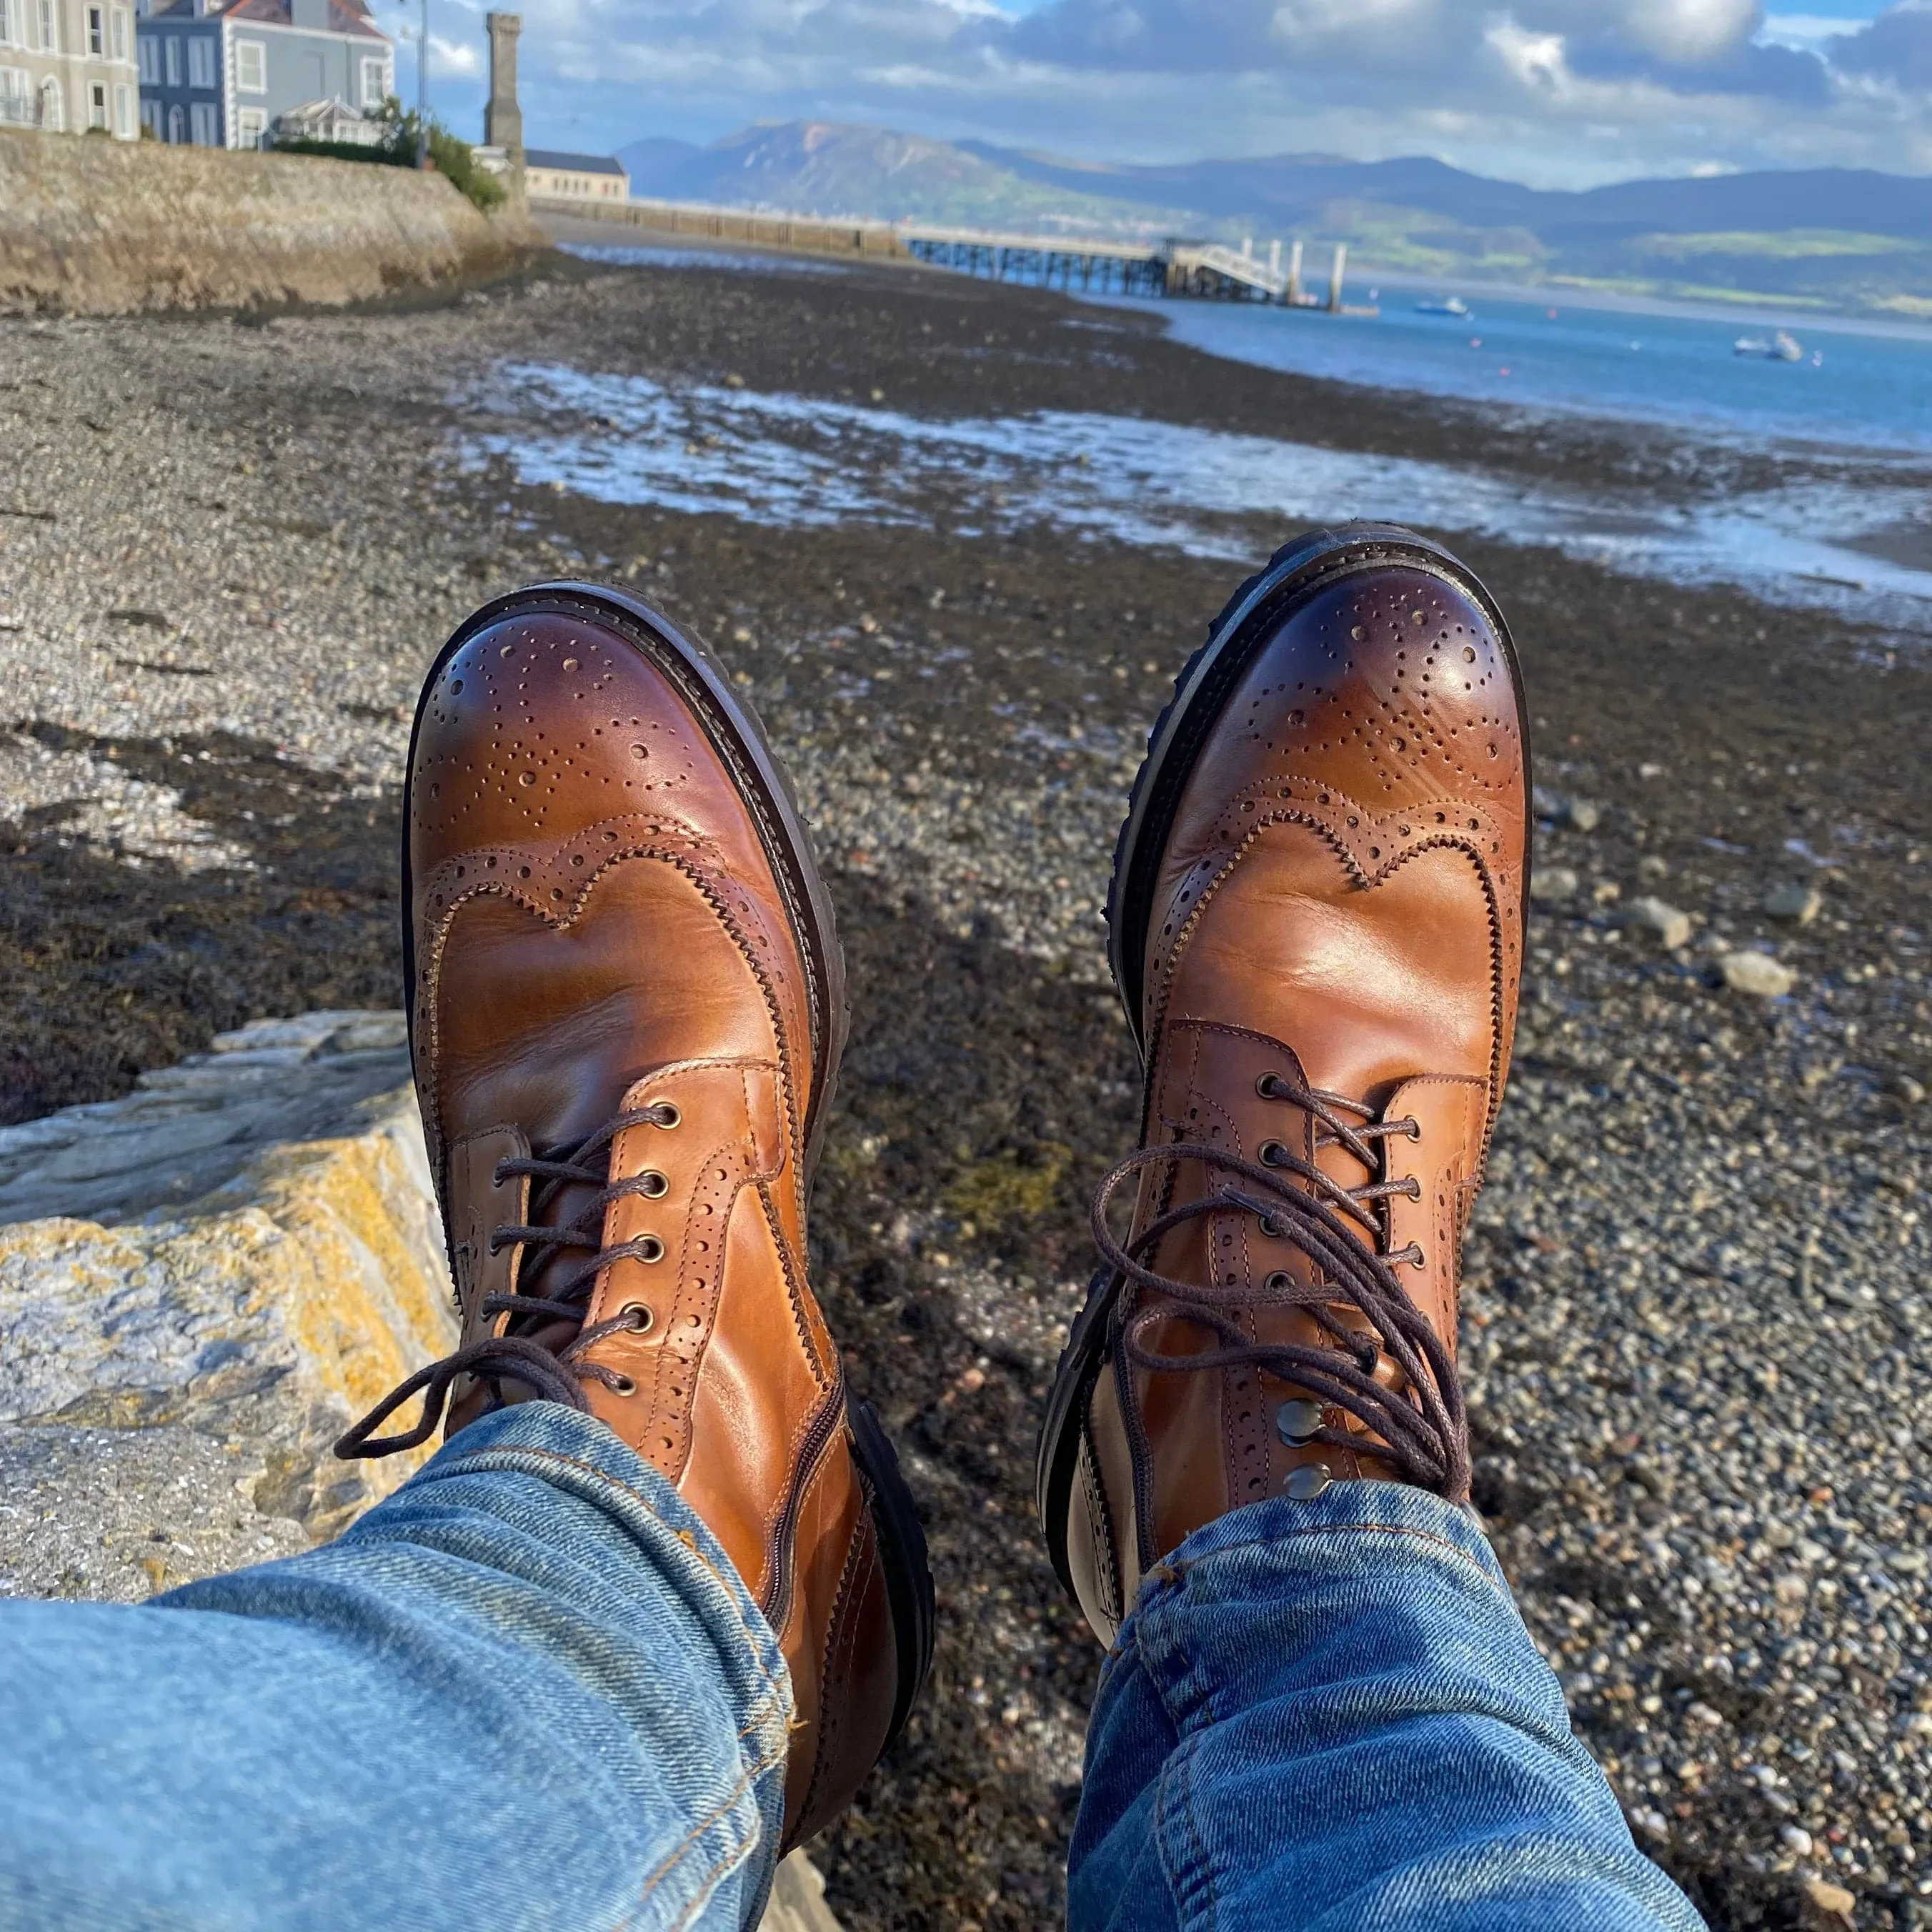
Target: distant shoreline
{"type": "Point", "coordinates": [1745, 315]}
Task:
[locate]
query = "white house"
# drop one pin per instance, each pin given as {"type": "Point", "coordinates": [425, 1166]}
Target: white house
{"type": "Point", "coordinates": [67, 67]}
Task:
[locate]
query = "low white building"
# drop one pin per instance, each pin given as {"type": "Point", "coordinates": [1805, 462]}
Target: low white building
{"type": "Point", "coordinates": [66, 66]}
{"type": "Point", "coordinates": [550, 176]}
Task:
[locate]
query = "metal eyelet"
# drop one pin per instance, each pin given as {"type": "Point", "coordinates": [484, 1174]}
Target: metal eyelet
{"type": "Point", "coordinates": [1275, 1230]}
{"type": "Point", "coordinates": [1305, 1484]}
{"type": "Point", "coordinates": [1266, 1085]}
{"type": "Point", "coordinates": [623, 1385]}
{"type": "Point", "coordinates": [640, 1317]}
{"type": "Point", "coordinates": [665, 1108]}
{"type": "Point", "coordinates": [1272, 1154]}
{"type": "Point", "coordinates": [652, 1185]}
{"type": "Point", "coordinates": [650, 1248]}
{"type": "Point", "coordinates": [1277, 1283]}
{"type": "Point", "coordinates": [1297, 1422]}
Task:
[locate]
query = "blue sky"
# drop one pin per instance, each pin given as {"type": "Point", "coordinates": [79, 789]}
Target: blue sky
{"type": "Point", "coordinates": [1559, 93]}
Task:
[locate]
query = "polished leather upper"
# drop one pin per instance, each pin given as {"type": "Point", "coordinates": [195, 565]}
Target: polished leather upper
{"type": "Point", "coordinates": [1339, 908]}
{"type": "Point", "coordinates": [599, 931]}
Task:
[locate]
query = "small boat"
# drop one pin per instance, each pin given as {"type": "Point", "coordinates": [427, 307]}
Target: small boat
{"type": "Point", "coordinates": [1443, 305]}
{"type": "Point", "coordinates": [1781, 347]}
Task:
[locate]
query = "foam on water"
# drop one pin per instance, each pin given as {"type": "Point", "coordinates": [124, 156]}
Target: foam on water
{"type": "Point", "coordinates": [800, 461]}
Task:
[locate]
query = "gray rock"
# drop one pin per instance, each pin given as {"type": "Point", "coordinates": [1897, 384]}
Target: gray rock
{"type": "Point", "coordinates": [1653, 915]}
{"type": "Point", "coordinates": [1550, 884]}
{"type": "Point", "coordinates": [1757, 973]}
{"type": "Point", "coordinates": [1799, 902]}
{"type": "Point", "coordinates": [1580, 814]}
{"type": "Point", "coordinates": [188, 1129]}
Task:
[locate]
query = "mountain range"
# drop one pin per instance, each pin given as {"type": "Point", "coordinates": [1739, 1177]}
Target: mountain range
{"type": "Point", "coordinates": [1828, 238]}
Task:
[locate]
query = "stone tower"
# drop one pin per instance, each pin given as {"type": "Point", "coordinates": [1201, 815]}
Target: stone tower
{"type": "Point", "coordinates": [503, 119]}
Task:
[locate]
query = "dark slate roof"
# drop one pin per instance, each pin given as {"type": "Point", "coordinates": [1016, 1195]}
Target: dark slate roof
{"type": "Point", "coordinates": [578, 164]}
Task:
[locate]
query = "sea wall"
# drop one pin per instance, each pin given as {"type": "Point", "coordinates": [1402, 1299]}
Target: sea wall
{"type": "Point", "coordinates": [91, 226]}
{"type": "Point", "coordinates": [805, 233]}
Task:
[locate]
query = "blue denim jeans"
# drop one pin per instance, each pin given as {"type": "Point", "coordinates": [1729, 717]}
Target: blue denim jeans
{"type": "Point", "coordinates": [528, 1691]}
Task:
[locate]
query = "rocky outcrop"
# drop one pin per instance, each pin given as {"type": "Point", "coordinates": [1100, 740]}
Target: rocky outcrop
{"type": "Point", "coordinates": [200, 1285]}
{"type": "Point", "coordinates": [96, 227]}
{"type": "Point", "coordinates": [246, 1246]}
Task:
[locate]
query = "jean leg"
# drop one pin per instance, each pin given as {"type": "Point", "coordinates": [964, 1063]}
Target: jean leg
{"type": "Point", "coordinates": [1328, 1714]}
{"type": "Point", "coordinates": [527, 1690]}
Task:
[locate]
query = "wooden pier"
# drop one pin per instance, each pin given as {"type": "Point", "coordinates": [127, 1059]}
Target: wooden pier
{"type": "Point", "coordinates": [1209, 271]}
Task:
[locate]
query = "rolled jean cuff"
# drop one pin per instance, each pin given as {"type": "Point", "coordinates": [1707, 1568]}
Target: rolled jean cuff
{"type": "Point", "coordinates": [586, 1460]}
{"type": "Point", "coordinates": [538, 1598]}
{"type": "Point", "coordinates": [1346, 1518]}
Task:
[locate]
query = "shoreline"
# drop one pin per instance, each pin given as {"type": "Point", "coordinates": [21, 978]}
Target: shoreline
{"type": "Point", "coordinates": [220, 613]}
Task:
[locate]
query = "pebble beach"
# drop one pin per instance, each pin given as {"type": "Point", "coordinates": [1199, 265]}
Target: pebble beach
{"type": "Point", "coordinates": [1697, 1330]}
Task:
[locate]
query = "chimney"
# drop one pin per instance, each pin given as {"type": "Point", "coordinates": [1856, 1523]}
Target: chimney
{"type": "Point", "coordinates": [1292, 294]}
{"type": "Point", "coordinates": [1335, 277]}
{"type": "Point", "coordinates": [502, 118]}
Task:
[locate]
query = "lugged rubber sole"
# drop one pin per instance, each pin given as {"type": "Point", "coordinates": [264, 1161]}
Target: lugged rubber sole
{"type": "Point", "coordinates": [902, 1551]}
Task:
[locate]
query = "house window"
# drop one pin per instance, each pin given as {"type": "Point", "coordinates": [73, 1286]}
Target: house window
{"type": "Point", "coordinates": [374, 90]}
{"type": "Point", "coordinates": [151, 117]}
{"type": "Point", "coordinates": [12, 32]}
{"type": "Point", "coordinates": [149, 49]}
{"type": "Point", "coordinates": [201, 62]}
{"type": "Point", "coordinates": [123, 110]}
{"type": "Point", "coordinates": [49, 28]}
{"type": "Point", "coordinates": [16, 97]}
{"type": "Point", "coordinates": [177, 130]}
{"type": "Point", "coordinates": [119, 21]}
{"type": "Point", "coordinates": [250, 124]}
{"type": "Point", "coordinates": [96, 105]}
{"type": "Point", "coordinates": [96, 31]}
{"type": "Point", "coordinates": [251, 68]}
{"type": "Point", "coordinates": [201, 119]}
{"type": "Point", "coordinates": [174, 60]}
{"type": "Point", "coordinates": [53, 106]}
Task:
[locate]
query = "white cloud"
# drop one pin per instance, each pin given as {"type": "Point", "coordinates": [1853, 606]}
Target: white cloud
{"type": "Point", "coordinates": [1560, 91]}
{"type": "Point", "coordinates": [450, 58]}
{"type": "Point", "coordinates": [1534, 61]}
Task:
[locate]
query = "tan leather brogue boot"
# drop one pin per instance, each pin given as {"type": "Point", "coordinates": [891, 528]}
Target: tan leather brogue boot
{"type": "Point", "coordinates": [627, 1005]}
{"type": "Point", "coordinates": [1316, 923]}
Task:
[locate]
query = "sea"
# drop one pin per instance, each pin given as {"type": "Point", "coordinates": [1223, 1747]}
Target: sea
{"type": "Point", "coordinates": [1854, 386]}
{"type": "Point", "coordinates": [1847, 528]}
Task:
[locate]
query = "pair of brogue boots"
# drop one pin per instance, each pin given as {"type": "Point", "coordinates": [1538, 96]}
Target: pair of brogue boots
{"type": "Point", "coordinates": [627, 1006]}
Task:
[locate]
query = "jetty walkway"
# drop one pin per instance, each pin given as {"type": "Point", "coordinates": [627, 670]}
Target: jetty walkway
{"type": "Point", "coordinates": [1172, 266]}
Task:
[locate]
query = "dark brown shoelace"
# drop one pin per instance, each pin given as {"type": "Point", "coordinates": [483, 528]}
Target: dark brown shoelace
{"type": "Point", "coordinates": [1425, 1425]}
{"type": "Point", "coordinates": [549, 1374]}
